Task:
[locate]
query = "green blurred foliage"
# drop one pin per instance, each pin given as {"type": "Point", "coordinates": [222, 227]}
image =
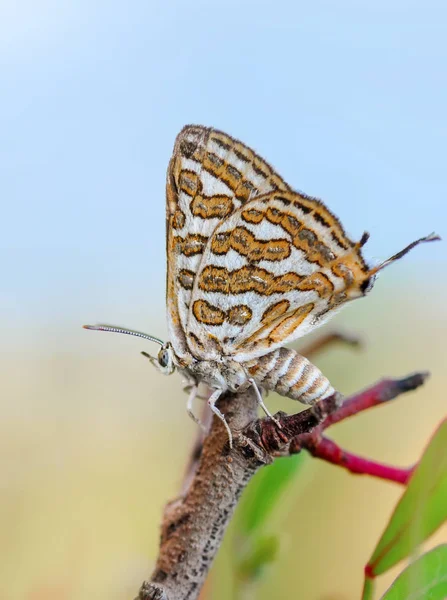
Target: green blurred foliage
{"type": "Point", "coordinates": [420, 511]}
{"type": "Point", "coordinates": [424, 579]}
{"type": "Point", "coordinates": [265, 492]}
{"type": "Point", "coordinates": [263, 551]}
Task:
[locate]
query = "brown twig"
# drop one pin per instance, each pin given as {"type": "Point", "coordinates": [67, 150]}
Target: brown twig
{"type": "Point", "coordinates": [194, 524]}
{"type": "Point", "coordinates": [322, 342]}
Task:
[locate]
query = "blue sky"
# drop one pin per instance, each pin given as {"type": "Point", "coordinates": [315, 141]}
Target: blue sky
{"type": "Point", "coordinates": [347, 100]}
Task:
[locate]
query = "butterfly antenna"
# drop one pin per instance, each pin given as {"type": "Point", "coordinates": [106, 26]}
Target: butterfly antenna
{"type": "Point", "coordinates": [433, 237]}
{"type": "Point", "coordinates": [115, 329]}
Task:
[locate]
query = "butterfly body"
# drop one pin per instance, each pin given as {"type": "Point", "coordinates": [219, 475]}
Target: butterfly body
{"type": "Point", "coordinates": [280, 371]}
{"type": "Point", "coordinates": [224, 374]}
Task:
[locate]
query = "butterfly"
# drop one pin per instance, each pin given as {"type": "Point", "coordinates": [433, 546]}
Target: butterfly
{"type": "Point", "coordinates": [252, 265]}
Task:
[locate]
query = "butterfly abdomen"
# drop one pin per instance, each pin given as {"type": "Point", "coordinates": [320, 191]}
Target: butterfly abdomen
{"type": "Point", "coordinates": [289, 374]}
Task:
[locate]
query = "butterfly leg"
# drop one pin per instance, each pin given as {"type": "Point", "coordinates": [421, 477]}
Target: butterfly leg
{"type": "Point", "coordinates": [154, 362]}
{"type": "Point", "coordinates": [212, 404]}
{"type": "Point", "coordinates": [261, 402]}
{"type": "Point", "coordinates": [193, 389]}
{"type": "Point", "coordinates": [187, 387]}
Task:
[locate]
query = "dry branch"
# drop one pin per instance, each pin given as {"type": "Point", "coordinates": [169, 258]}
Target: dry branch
{"type": "Point", "coordinates": [194, 524]}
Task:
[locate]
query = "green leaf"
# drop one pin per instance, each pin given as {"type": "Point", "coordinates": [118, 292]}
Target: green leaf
{"type": "Point", "coordinates": [264, 550]}
{"type": "Point", "coordinates": [420, 511]}
{"type": "Point", "coordinates": [264, 492]}
{"type": "Point", "coordinates": [253, 546]}
{"type": "Point", "coordinates": [424, 579]}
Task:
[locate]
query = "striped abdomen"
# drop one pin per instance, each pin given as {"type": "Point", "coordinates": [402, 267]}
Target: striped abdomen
{"type": "Point", "coordinates": [289, 374]}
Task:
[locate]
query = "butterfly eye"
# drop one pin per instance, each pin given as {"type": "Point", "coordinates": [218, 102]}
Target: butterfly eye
{"type": "Point", "coordinates": [163, 357]}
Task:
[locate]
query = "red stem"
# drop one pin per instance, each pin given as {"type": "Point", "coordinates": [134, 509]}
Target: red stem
{"type": "Point", "coordinates": [381, 392]}
{"type": "Point", "coordinates": [328, 450]}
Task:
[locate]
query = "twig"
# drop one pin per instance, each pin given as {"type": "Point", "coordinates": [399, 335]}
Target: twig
{"type": "Point", "coordinates": [329, 451]}
{"type": "Point", "coordinates": [194, 524]}
{"type": "Point", "coordinates": [324, 341]}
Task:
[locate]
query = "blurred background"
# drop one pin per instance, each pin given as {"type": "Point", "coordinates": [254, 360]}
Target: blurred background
{"type": "Point", "coordinates": [347, 100]}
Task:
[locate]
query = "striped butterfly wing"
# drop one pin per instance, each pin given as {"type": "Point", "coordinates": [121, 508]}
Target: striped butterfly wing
{"type": "Point", "coordinates": [210, 176]}
{"type": "Point", "coordinates": [273, 270]}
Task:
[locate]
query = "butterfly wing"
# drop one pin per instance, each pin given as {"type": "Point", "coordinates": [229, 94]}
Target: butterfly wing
{"type": "Point", "coordinates": [209, 177]}
{"type": "Point", "coordinates": [274, 269]}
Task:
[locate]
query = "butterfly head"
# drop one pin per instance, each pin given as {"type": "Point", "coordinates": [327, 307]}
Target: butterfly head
{"type": "Point", "coordinates": [165, 359]}
{"type": "Point", "coordinates": [366, 276]}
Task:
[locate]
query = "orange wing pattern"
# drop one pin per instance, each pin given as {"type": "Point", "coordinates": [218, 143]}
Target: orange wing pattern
{"type": "Point", "coordinates": [274, 269]}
